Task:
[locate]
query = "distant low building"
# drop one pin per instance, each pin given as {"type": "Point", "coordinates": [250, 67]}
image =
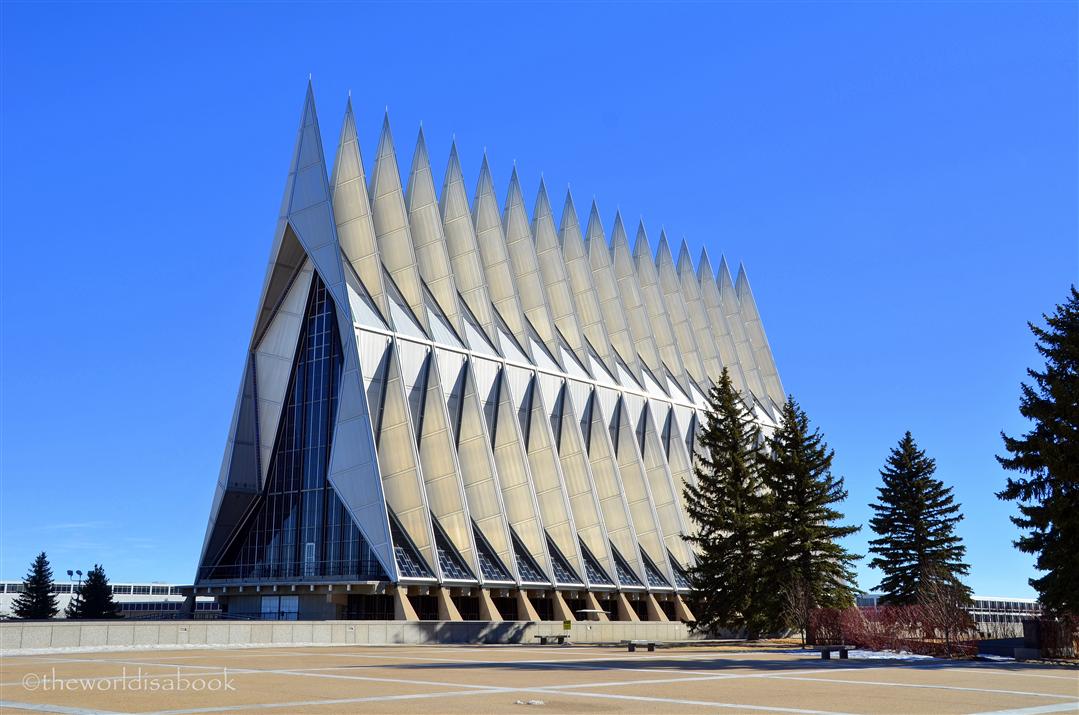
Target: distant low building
{"type": "Point", "coordinates": [985, 609]}
{"type": "Point", "coordinates": [136, 600]}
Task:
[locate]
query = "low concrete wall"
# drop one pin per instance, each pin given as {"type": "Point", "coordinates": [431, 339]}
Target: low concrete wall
{"type": "Point", "coordinates": [15, 636]}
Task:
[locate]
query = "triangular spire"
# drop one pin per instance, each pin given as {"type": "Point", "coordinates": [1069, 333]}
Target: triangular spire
{"type": "Point", "coordinates": [659, 322]}
{"type": "Point", "coordinates": [629, 288]}
{"type": "Point", "coordinates": [522, 253]}
{"type": "Point", "coordinates": [461, 244]}
{"type": "Point", "coordinates": [425, 222]}
{"type": "Point", "coordinates": [728, 300]}
{"type": "Point", "coordinates": [306, 230]}
{"type": "Point", "coordinates": [352, 210]}
{"type": "Point", "coordinates": [675, 306]}
{"type": "Point", "coordinates": [579, 273]}
{"type": "Point", "coordinates": [501, 283]}
{"type": "Point", "coordinates": [757, 337]}
{"type": "Point", "coordinates": [391, 226]}
{"type": "Point", "coordinates": [553, 275]}
{"type": "Point", "coordinates": [707, 338]}
{"type": "Point", "coordinates": [717, 317]}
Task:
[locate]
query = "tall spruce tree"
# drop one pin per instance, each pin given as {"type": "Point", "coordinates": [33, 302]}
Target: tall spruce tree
{"type": "Point", "coordinates": [37, 599]}
{"type": "Point", "coordinates": [93, 599]}
{"type": "Point", "coordinates": [915, 520]}
{"type": "Point", "coordinates": [807, 568]}
{"type": "Point", "coordinates": [1048, 496]}
{"type": "Point", "coordinates": [726, 507]}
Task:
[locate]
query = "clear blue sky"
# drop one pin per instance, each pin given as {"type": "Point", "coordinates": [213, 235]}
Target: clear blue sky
{"type": "Point", "coordinates": [900, 180]}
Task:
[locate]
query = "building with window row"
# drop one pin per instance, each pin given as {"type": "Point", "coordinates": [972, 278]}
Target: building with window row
{"type": "Point", "coordinates": [453, 407]}
{"type": "Point", "coordinates": [136, 600]}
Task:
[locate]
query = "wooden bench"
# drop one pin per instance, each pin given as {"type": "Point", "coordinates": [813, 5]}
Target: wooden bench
{"type": "Point", "coordinates": [561, 638]}
{"type": "Point", "coordinates": [827, 650]}
{"type": "Point", "coordinates": [632, 645]}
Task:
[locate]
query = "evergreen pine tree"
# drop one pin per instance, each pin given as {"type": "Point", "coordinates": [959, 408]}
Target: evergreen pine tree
{"type": "Point", "coordinates": [37, 599]}
{"type": "Point", "coordinates": [807, 568]}
{"type": "Point", "coordinates": [726, 507]}
{"type": "Point", "coordinates": [1048, 456]}
{"type": "Point", "coordinates": [93, 599]}
{"type": "Point", "coordinates": [915, 520]}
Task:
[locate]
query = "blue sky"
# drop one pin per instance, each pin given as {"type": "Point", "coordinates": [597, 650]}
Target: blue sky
{"type": "Point", "coordinates": [900, 180]}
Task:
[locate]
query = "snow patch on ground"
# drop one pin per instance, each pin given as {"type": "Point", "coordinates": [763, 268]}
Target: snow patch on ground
{"type": "Point", "coordinates": [862, 654]}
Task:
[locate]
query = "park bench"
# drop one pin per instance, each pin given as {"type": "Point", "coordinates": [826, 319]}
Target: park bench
{"type": "Point", "coordinates": [632, 645]}
{"type": "Point", "coordinates": [561, 638]}
{"type": "Point", "coordinates": [827, 650]}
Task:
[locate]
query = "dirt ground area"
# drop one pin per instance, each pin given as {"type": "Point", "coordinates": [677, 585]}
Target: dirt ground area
{"type": "Point", "coordinates": [527, 679]}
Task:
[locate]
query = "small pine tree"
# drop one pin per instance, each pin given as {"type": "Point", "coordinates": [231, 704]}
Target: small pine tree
{"type": "Point", "coordinates": [915, 519]}
{"type": "Point", "coordinates": [726, 506]}
{"type": "Point", "coordinates": [93, 599]}
{"type": "Point", "coordinates": [37, 599]}
{"type": "Point", "coordinates": [804, 560]}
{"type": "Point", "coordinates": [1048, 454]}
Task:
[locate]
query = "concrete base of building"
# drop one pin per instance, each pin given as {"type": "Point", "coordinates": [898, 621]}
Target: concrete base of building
{"type": "Point", "coordinates": [17, 636]}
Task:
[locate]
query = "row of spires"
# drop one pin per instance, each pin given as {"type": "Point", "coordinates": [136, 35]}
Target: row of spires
{"type": "Point", "coordinates": [515, 295]}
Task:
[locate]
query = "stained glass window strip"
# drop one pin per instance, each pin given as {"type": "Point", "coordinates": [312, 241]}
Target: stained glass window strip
{"type": "Point", "coordinates": [626, 577]}
{"type": "Point", "coordinates": [596, 575]}
{"type": "Point", "coordinates": [449, 560]}
{"type": "Point", "coordinates": [563, 572]}
{"type": "Point", "coordinates": [652, 573]}
{"type": "Point", "coordinates": [409, 562]}
{"type": "Point", "coordinates": [526, 565]}
{"type": "Point", "coordinates": [490, 565]}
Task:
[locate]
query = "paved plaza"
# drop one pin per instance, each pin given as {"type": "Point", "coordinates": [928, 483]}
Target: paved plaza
{"type": "Point", "coordinates": [528, 679]}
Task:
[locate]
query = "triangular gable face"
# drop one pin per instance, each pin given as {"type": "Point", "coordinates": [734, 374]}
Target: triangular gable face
{"type": "Point", "coordinates": [352, 211]}
{"type": "Point", "coordinates": [636, 484]}
{"type": "Point", "coordinates": [398, 458]}
{"type": "Point", "coordinates": [544, 466]}
{"type": "Point", "coordinates": [609, 488]}
{"type": "Point", "coordinates": [438, 459]}
{"type": "Point", "coordinates": [432, 255]}
{"type": "Point", "coordinates": [482, 491]}
{"type": "Point", "coordinates": [318, 538]}
{"type": "Point", "coordinates": [576, 472]}
{"type": "Point", "coordinates": [391, 225]}
{"type": "Point", "coordinates": [661, 482]}
{"type": "Point", "coordinates": [507, 446]}
{"type": "Point", "coordinates": [306, 230]}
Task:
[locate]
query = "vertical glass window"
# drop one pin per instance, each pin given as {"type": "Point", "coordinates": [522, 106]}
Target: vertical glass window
{"type": "Point", "coordinates": [301, 529]}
